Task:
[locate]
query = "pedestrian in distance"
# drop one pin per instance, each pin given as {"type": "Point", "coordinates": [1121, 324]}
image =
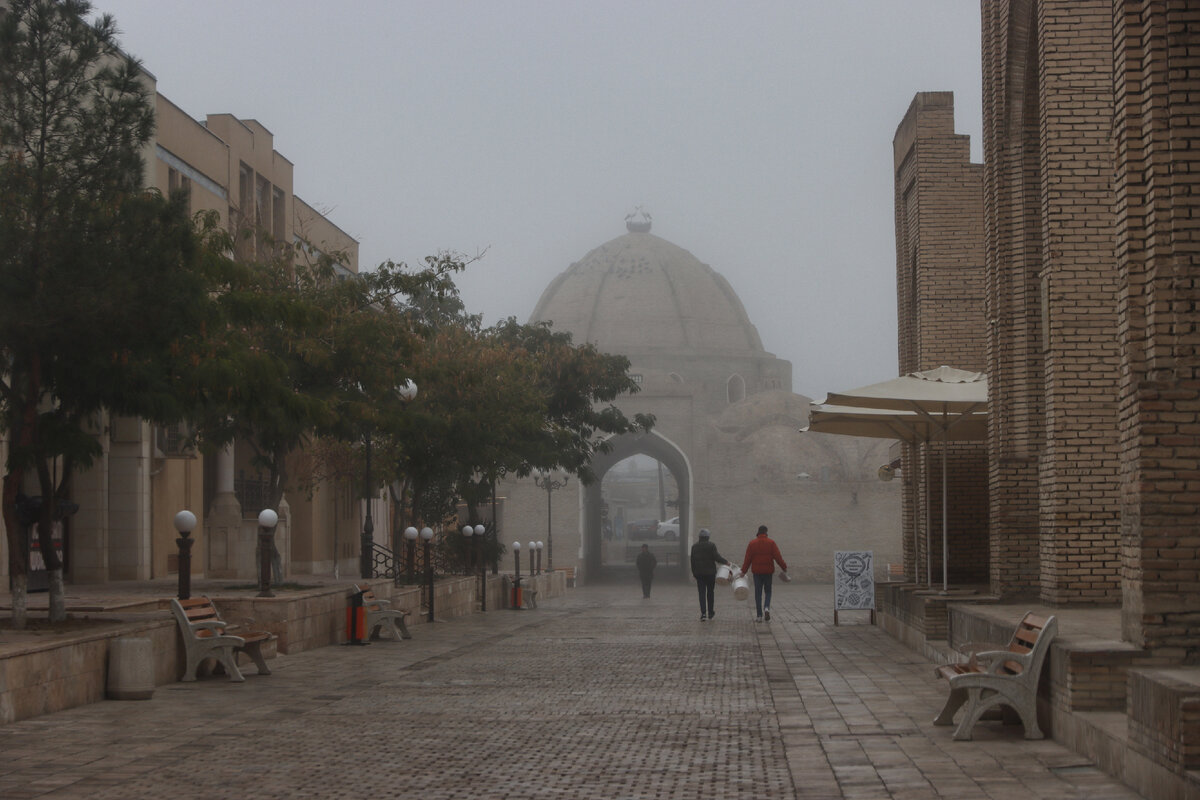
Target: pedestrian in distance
{"type": "Point", "coordinates": [646, 562]}
{"type": "Point", "coordinates": [762, 554]}
{"type": "Point", "coordinates": [704, 569]}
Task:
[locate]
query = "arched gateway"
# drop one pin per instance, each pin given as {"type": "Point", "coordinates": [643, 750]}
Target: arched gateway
{"type": "Point", "coordinates": [726, 437]}
{"type": "Point", "coordinates": [673, 459]}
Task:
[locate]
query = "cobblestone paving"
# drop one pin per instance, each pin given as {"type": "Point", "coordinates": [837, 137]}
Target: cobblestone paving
{"type": "Point", "coordinates": [598, 695]}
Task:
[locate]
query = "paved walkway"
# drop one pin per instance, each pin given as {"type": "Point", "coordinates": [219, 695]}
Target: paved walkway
{"type": "Point", "coordinates": [597, 695]}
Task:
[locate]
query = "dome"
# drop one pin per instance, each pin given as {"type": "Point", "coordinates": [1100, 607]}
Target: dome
{"type": "Point", "coordinates": [641, 294]}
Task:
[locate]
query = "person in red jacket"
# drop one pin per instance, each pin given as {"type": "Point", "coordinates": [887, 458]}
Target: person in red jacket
{"type": "Point", "coordinates": [762, 554]}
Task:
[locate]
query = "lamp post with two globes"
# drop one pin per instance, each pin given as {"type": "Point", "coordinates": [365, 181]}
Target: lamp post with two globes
{"type": "Point", "coordinates": [551, 482]}
{"type": "Point", "coordinates": [478, 532]}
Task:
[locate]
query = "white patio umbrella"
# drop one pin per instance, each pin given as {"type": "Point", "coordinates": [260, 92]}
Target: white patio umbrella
{"type": "Point", "coordinates": [939, 405]}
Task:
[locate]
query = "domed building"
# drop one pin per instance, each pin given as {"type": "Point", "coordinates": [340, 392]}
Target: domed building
{"type": "Point", "coordinates": [727, 442]}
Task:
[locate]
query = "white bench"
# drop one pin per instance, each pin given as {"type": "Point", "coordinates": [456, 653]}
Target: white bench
{"type": "Point", "coordinates": [205, 635]}
{"type": "Point", "coordinates": [380, 615]}
{"type": "Point", "coordinates": [995, 678]}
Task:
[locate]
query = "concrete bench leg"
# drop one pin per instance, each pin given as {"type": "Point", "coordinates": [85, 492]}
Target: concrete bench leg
{"type": "Point", "coordinates": [254, 650]}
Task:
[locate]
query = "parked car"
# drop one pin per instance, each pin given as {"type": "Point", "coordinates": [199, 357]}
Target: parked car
{"type": "Point", "coordinates": [641, 529]}
{"type": "Point", "coordinates": [668, 530]}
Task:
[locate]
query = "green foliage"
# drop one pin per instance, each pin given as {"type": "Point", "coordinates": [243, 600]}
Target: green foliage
{"type": "Point", "coordinates": [99, 281]}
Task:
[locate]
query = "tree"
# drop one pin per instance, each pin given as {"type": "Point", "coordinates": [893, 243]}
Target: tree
{"type": "Point", "coordinates": [505, 400]}
{"type": "Point", "coordinates": [100, 281]}
{"type": "Point", "coordinates": [306, 352]}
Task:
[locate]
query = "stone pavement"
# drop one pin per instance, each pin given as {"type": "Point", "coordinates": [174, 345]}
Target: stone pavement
{"type": "Point", "coordinates": [600, 694]}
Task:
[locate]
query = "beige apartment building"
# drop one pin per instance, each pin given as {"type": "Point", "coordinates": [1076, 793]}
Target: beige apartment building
{"type": "Point", "coordinates": [127, 502]}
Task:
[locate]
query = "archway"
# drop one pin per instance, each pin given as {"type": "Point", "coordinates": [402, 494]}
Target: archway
{"type": "Point", "coordinates": [592, 520]}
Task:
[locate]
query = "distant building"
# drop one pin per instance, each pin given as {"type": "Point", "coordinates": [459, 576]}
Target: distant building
{"type": "Point", "coordinates": [727, 423]}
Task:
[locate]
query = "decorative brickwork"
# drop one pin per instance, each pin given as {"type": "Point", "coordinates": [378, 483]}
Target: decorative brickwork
{"type": "Point", "coordinates": [1157, 185]}
{"type": "Point", "coordinates": [939, 290]}
{"type": "Point", "coordinates": [1052, 355]}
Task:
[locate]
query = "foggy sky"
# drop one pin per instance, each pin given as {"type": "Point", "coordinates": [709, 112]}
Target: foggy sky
{"type": "Point", "coordinates": [757, 134]}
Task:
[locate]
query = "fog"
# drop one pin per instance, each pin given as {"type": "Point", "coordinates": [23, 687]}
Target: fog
{"type": "Point", "coordinates": [757, 134]}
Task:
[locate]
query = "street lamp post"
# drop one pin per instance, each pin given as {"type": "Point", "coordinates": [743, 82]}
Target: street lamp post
{"type": "Point", "coordinates": [426, 537]}
{"type": "Point", "coordinates": [406, 392]}
{"type": "Point", "coordinates": [367, 546]}
{"type": "Point", "coordinates": [517, 577]}
{"type": "Point", "coordinates": [532, 553]}
{"type": "Point", "coordinates": [267, 519]}
{"type": "Point", "coordinates": [410, 537]}
{"type": "Point", "coordinates": [185, 523]}
{"type": "Point", "coordinates": [480, 538]}
{"type": "Point", "coordinates": [477, 533]}
{"type": "Point", "coordinates": [545, 479]}
{"type": "Point", "coordinates": [540, 545]}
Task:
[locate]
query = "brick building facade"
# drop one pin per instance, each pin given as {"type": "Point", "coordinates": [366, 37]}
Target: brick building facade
{"type": "Point", "coordinates": [939, 292]}
{"type": "Point", "coordinates": [1091, 235]}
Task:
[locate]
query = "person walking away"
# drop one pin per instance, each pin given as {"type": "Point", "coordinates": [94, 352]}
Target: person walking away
{"type": "Point", "coordinates": [762, 554]}
{"type": "Point", "coordinates": [704, 569]}
{"type": "Point", "coordinates": [646, 562]}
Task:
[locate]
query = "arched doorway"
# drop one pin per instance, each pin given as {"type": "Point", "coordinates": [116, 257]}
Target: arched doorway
{"type": "Point", "coordinates": [672, 554]}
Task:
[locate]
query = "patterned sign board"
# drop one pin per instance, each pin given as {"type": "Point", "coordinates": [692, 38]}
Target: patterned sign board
{"type": "Point", "coordinates": [853, 580]}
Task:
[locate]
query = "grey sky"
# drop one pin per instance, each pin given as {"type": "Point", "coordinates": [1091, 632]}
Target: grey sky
{"type": "Point", "coordinates": [757, 134]}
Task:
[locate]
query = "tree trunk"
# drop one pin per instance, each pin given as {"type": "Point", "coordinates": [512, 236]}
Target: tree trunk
{"type": "Point", "coordinates": [20, 605]}
{"type": "Point", "coordinates": [58, 595]}
{"type": "Point", "coordinates": [17, 535]}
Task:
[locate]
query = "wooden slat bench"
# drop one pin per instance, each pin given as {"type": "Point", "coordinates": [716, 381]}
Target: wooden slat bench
{"type": "Point", "coordinates": [995, 678]}
{"type": "Point", "coordinates": [206, 635]}
{"type": "Point", "coordinates": [380, 615]}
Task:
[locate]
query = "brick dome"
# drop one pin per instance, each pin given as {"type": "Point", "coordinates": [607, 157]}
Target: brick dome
{"type": "Point", "coordinates": [640, 294]}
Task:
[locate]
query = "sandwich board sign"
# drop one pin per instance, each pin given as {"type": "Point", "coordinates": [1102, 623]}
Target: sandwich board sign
{"type": "Point", "coordinates": [853, 582]}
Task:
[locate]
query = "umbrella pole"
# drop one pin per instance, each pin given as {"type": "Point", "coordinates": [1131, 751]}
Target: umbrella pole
{"type": "Point", "coordinates": [945, 549]}
{"type": "Point", "coordinates": [928, 521]}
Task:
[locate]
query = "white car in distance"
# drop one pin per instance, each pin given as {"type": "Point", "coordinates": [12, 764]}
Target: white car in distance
{"type": "Point", "coordinates": [668, 530]}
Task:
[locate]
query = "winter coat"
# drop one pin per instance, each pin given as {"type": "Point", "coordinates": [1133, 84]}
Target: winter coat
{"type": "Point", "coordinates": [646, 562]}
{"type": "Point", "coordinates": [705, 558]}
{"type": "Point", "coordinates": [761, 556]}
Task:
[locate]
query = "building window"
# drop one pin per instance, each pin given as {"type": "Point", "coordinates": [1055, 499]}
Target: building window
{"type": "Point", "coordinates": [636, 379]}
{"type": "Point", "coordinates": [278, 207]}
{"type": "Point", "coordinates": [178, 182]}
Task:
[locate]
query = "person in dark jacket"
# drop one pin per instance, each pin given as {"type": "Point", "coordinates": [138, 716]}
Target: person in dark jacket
{"type": "Point", "coordinates": [762, 554]}
{"type": "Point", "coordinates": [646, 562]}
{"type": "Point", "coordinates": [704, 569]}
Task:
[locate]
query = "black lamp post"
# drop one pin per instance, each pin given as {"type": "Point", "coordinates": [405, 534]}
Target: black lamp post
{"type": "Point", "coordinates": [480, 537]}
{"type": "Point", "coordinates": [427, 537]}
{"type": "Point", "coordinates": [547, 480]}
{"type": "Point", "coordinates": [517, 577]}
{"type": "Point", "coordinates": [267, 519]}
{"type": "Point", "coordinates": [406, 392]}
{"type": "Point", "coordinates": [532, 553]}
{"type": "Point", "coordinates": [540, 545]}
{"type": "Point", "coordinates": [410, 539]}
{"type": "Point", "coordinates": [367, 545]}
{"type": "Point", "coordinates": [477, 532]}
{"type": "Point", "coordinates": [185, 523]}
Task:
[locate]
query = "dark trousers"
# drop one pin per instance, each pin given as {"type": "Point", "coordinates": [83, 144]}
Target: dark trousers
{"type": "Point", "coordinates": [706, 585]}
{"type": "Point", "coordinates": [762, 586]}
{"type": "Point", "coordinates": [646, 578]}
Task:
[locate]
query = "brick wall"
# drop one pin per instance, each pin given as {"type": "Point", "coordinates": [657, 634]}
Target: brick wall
{"type": "Point", "coordinates": [1053, 361]}
{"type": "Point", "coordinates": [1157, 189]}
{"type": "Point", "coordinates": [939, 291]}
